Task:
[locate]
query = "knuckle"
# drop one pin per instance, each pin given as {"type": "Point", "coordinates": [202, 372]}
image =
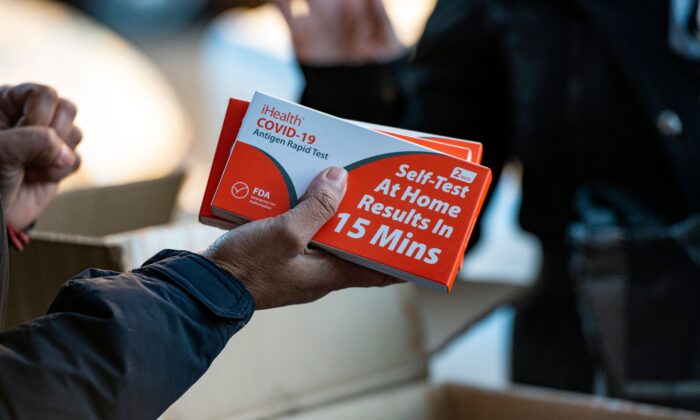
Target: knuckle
{"type": "Point", "coordinates": [46, 138]}
{"type": "Point", "coordinates": [25, 87]}
{"type": "Point", "coordinates": [42, 135]}
{"type": "Point", "coordinates": [68, 107]}
{"type": "Point", "coordinates": [325, 202]}
{"type": "Point", "coordinates": [286, 233]}
{"type": "Point", "coordinates": [78, 162]}
{"type": "Point", "coordinates": [37, 90]}
{"type": "Point", "coordinates": [45, 91]}
{"type": "Point", "coordinates": [76, 135]}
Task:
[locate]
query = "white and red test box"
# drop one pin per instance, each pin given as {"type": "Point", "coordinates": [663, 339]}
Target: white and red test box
{"type": "Point", "coordinates": [409, 209]}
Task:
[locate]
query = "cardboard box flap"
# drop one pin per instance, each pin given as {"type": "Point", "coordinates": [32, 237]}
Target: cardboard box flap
{"type": "Point", "coordinates": [408, 402]}
{"type": "Point", "coordinates": [444, 317]}
{"type": "Point", "coordinates": [457, 402]}
{"type": "Point", "coordinates": [53, 258]}
{"type": "Point", "coordinates": [297, 357]}
{"type": "Point", "coordinates": [118, 208]}
{"type": "Point", "coordinates": [37, 273]}
{"type": "Point", "coordinates": [67, 239]}
{"type": "Point", "coordinates": [347, 344]}
{"type": "Point", "coordinates": [139, 245]}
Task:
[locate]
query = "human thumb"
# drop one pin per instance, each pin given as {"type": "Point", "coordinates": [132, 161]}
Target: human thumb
{"type": "Point", "coordinates": [318, 204]}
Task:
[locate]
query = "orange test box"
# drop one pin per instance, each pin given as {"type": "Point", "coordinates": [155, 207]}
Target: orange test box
{"type": "Point", "coordinates": [409, 209]}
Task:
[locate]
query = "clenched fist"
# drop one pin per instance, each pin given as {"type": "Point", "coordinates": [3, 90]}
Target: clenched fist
{"type": "Point", "coordinates": [37, 149]}
{"type": "Point", "coordinates": [272, 257]}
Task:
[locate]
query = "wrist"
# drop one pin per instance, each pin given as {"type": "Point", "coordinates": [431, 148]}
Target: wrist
{"type": "Point", "coordinates": [370, 92]}
{"type": "Point", "coordinates": [233, 270]}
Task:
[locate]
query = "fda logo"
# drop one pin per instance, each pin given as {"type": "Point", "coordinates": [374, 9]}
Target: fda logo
{"type": "Point", "coordinates": [240, 190]}
{"type": "Point", "coordinates": [463, 175]}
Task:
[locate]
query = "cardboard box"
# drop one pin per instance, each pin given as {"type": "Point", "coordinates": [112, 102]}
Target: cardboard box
{"type": "Point", "coordinates": [356, 354]}
{"type": "Point", "coordinates": [458, 402]}
{"type": "Point", "coordinates": [336, 359]}
{"type": "Point", "coordinates": [349, 343]}
{"type": "Point", "coordinates": [77, 232]}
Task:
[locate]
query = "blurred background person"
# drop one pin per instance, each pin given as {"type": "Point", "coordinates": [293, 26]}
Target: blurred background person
{"type": "Point", "coordinates": [598, 101]}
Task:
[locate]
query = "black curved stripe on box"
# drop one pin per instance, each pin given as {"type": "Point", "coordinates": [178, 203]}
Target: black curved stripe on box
{"type": "Point", "coordinates": [287, 180]}
{"type": "Point", "coordinates": [363, 162]}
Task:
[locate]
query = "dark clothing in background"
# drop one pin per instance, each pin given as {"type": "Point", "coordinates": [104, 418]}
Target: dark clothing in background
{"type": "Point", "coordinates": [121, 345]}
{"type": "Point", "coordinates": [4, 266]}
{"type": "Point", "coordinates": [638, 284]}
{"type": "Point", "coordinates": [581, 92]}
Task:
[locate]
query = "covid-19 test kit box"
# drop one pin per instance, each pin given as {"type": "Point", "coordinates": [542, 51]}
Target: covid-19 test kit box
{"type": "Point", "coordinates": [412, 199]}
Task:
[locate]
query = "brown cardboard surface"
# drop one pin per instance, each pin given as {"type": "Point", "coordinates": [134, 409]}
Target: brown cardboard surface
{"type": "Point", "coordinates": [408, 402]}
{"type": "Point", "coordinates": [359, 353]}
{"type": "Point", "coordinates": [112, 209]}
{"type": "Point", "coordinates": [459, 402]}
{"type": "Point", "coordinates": [69, 237]}
{"type": "Point", "coordinates": [340, 346]}
{"type": "Point", "coordinates": [37, 273]}
{"type": "Point", "coordinates": [298, 357]}
{"type": "Point", "coordinates": [347, 344]}
{"type": "Point", "coordinates": [420, 401]}
{"type": "Point", "coordinates": [445, 317]}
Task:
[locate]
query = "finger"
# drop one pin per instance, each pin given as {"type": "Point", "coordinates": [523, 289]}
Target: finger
{"type": "Point", "coordinates": [53, 173]}
{"type": "Point", "coordinates": [353, 275]}
{"type": "Point", "coordinates": [353, 21]}
{"type": "Point", "coordinates": [286, 9]}
{"type": "Point", "coordinates": [37, 102]}
{"type": "Point", "coordinates": [318, 204]}
{"type": "Point", "coordinates": [343, 274]}
{"type": "Point", "coordinates": [74, 137]}
{"type": "Point", "coordinates": [63, 117]}
{"type": "Point", "coordinates": [9, 113]}
{"type": "Point", "coordinates": [40, 150]}
{"type": "Point", "coordinates": [377, 14]}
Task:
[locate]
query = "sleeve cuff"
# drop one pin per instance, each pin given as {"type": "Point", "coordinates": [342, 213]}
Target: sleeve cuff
{"type": "Point", "coordinates": [340, 89]}
{"type": "Point", "coordinates": [224, 295]}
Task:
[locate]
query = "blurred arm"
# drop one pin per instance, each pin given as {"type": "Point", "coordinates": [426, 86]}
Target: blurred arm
{"type": "Point", "coordinates": [119, 345]}
{"type": "Point", "coordinates": [371, 93]}
{"type": "Point", "coordinates": [455, 84]}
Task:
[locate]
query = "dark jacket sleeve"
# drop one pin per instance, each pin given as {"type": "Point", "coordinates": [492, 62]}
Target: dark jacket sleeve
{"type": "Point", "coordinates": [455, 84]}
{"type": "Point", "coordinates": [122, 345]}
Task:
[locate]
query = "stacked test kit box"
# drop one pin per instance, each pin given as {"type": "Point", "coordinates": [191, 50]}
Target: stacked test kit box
{"type": "Point", "coordinates": [412, 199]}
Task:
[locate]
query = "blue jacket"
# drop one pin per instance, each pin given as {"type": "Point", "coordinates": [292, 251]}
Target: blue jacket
{"type": "Point", "coordinates": [122, 345]}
